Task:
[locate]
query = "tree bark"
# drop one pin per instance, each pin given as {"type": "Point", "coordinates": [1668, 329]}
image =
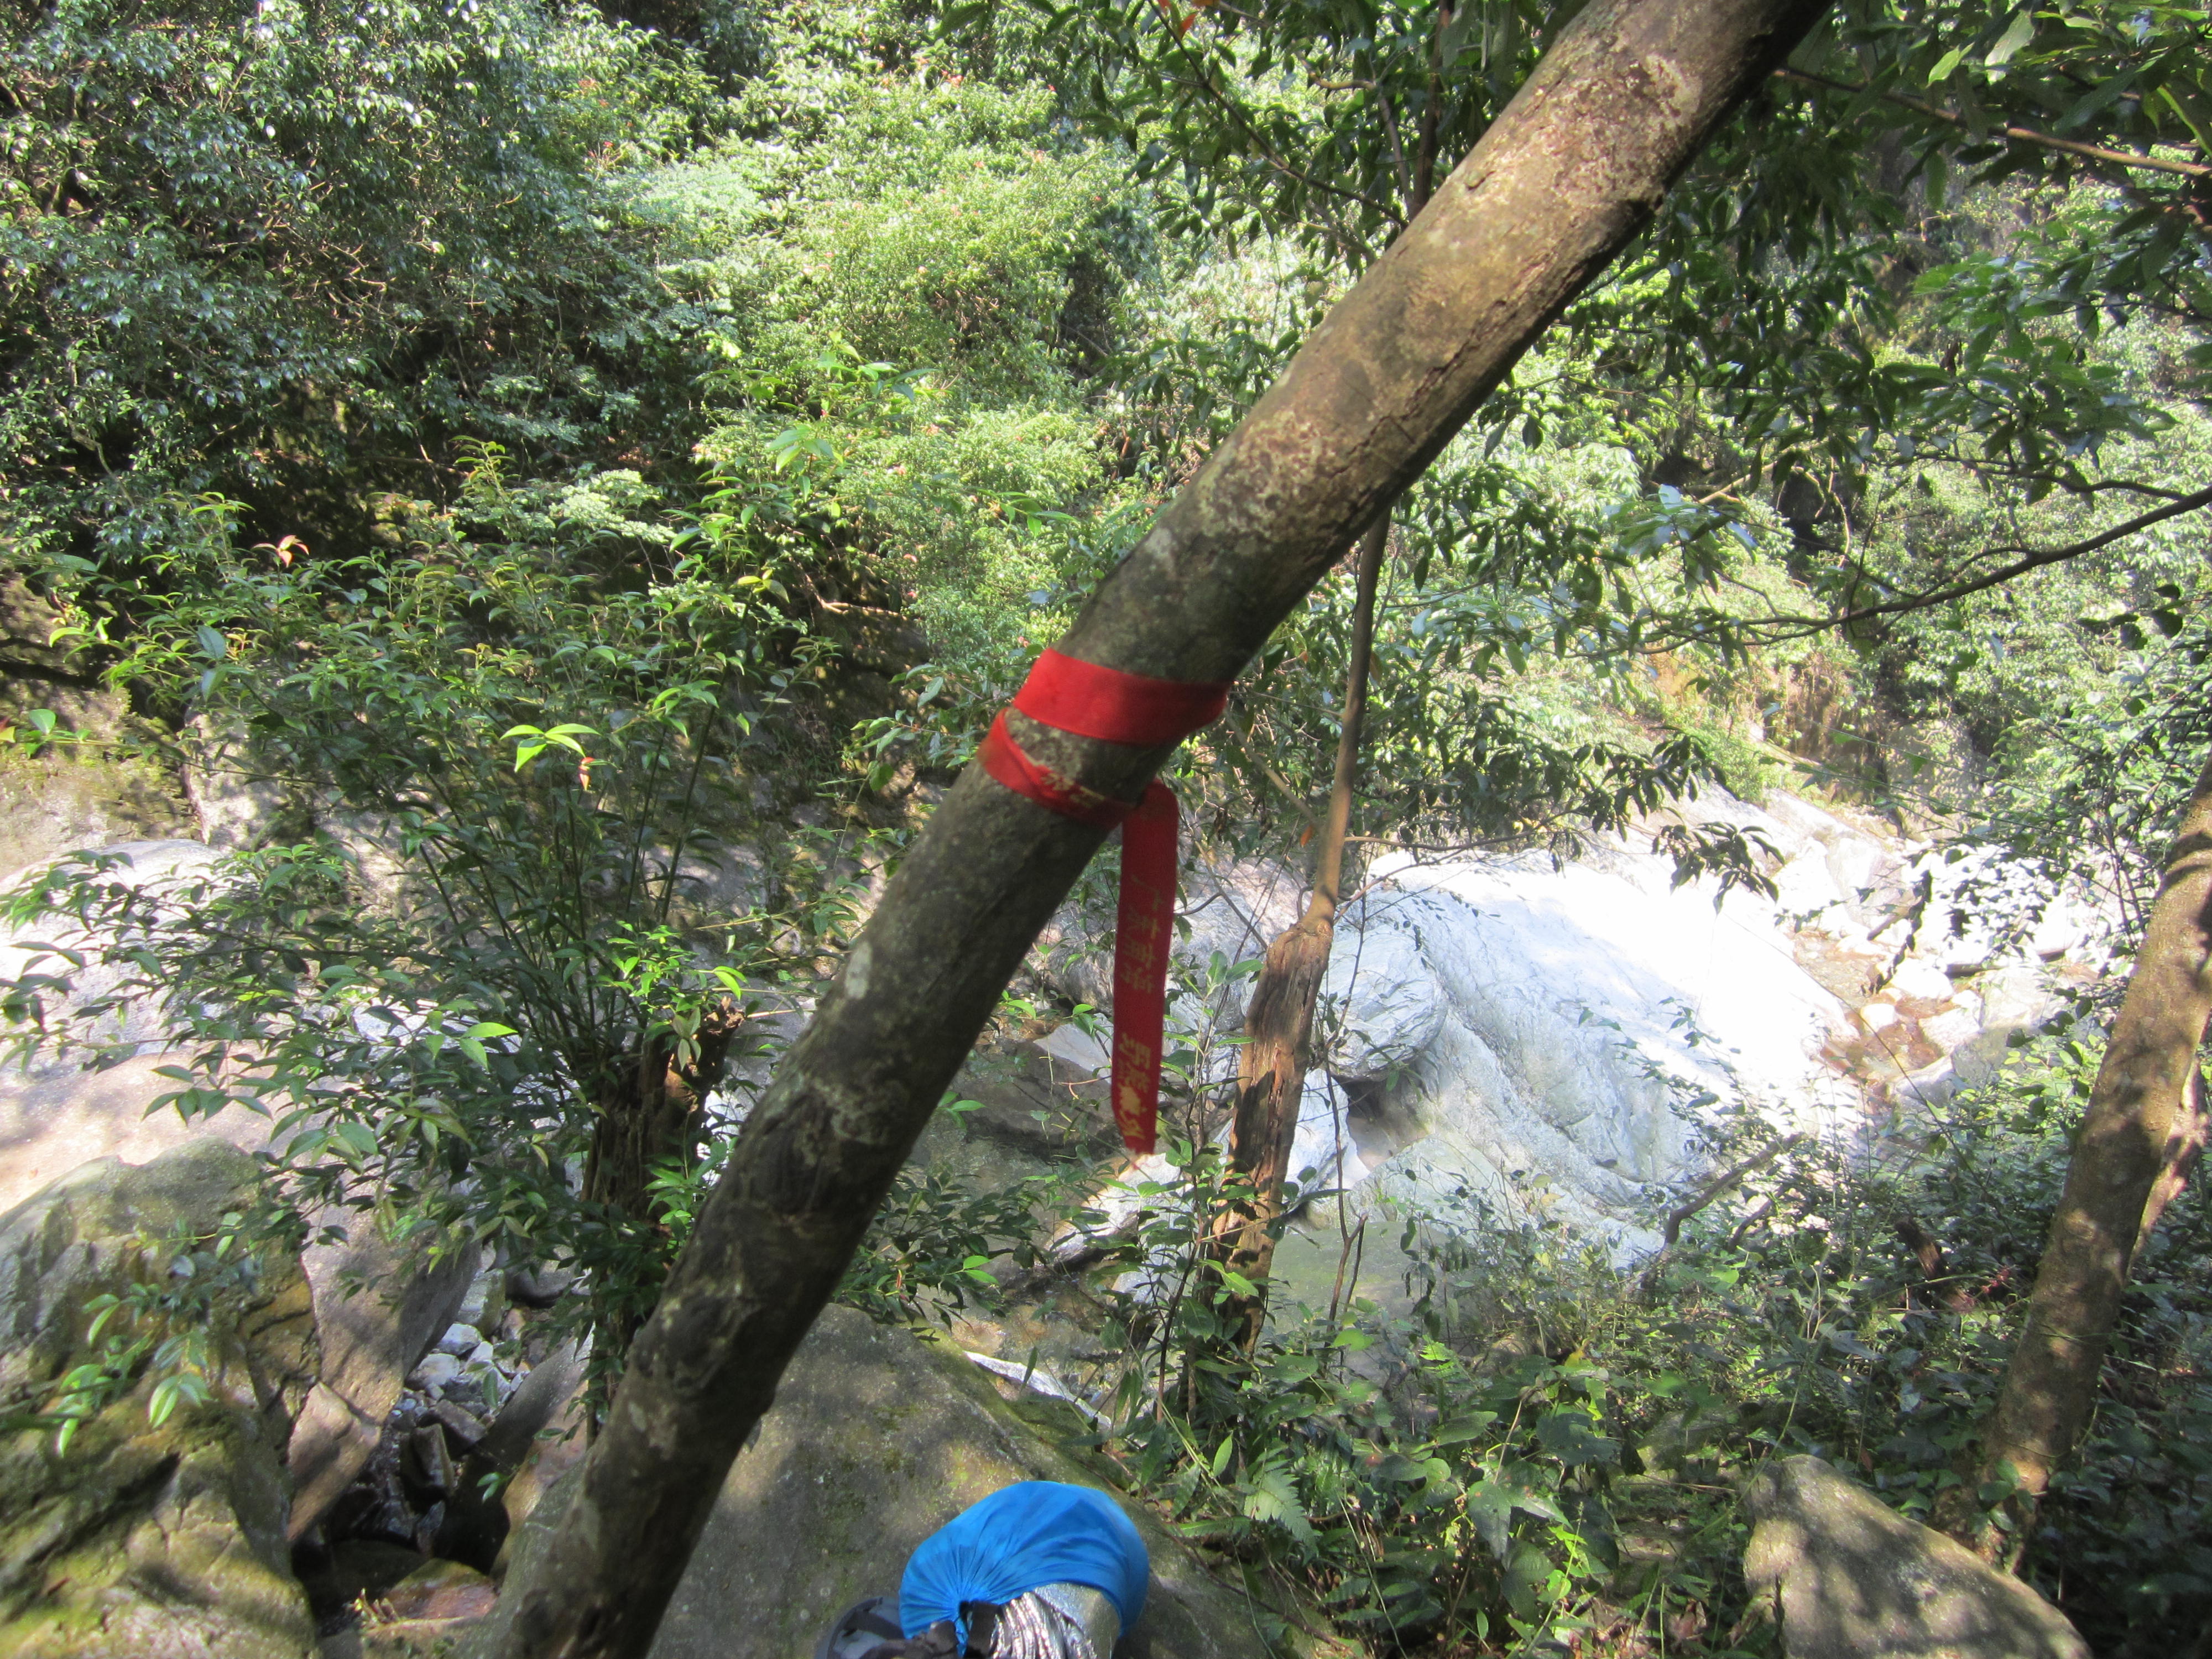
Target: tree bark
{"type": "Point", "coordinates": [1271, 1071]}
{"type": "Point", "coordinates": [1572, 169]}
{"type": "Point", "coordinates": [2133, 1139]}
{"type": "Point", "coordinates": [653, 1111]}
{"type": "Point", "coordinates": [2192, 1127]}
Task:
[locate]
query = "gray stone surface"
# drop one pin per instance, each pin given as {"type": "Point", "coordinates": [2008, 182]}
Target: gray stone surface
{"type": "Point", "coordinates": [1036, 1104]}
{"type": "Point", "coordinates": [143, 1541]}
{"type": "Point", "coordinates": [877, 1438]}
{"type": "Point", "coordinates": [54, 1115]}
{"type": "Point", "coordinates": [1856, 1580]}
{"type": "Point", "coordinates": [379, 1306]}
{"type": "Point", "coordinates": [55, 1118]}
{"type": "Point", "coordinates": [542, 1400]}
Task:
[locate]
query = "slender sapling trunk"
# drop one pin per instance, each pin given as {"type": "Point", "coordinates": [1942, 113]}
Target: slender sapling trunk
{"type": "Point", "coordinates": [1271, 1070]}
{"type": "Point", "coordinates": [2135, 1138]}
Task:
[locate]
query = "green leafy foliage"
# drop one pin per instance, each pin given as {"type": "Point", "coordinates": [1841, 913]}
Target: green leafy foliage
{"type": "Point", "coordinates": [170, 1327]}
{"type": "Point", "coordinates": [1536, 1446]}
{"type": "Point", "coordinates": [526, 774]}
{"type": "Point", "coordinates": [293, 259]}
{"type": "Point", "coordinates": [541, 448]}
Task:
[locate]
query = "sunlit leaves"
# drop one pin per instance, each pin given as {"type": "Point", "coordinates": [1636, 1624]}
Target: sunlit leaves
{"type": "Point", "coordinates": [248, 259]}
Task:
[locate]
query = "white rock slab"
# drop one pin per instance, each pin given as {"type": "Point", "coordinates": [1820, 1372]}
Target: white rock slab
{"type": "Point", "coordinates": [1581, 1029]}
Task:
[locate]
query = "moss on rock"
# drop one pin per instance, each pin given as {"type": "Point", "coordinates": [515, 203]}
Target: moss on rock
{"type": "Point", "coordinates": [142, 1539]}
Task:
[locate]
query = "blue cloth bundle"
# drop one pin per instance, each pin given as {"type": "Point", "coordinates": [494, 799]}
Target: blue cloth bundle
{"type": "Point", "coordinates": [1035, 1533]}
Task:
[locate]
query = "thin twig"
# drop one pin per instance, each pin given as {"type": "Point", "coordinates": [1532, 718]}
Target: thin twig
{"type": "Point", "coordinates": [2037, 560]}
{"type": "Point", "coordinates": [1677, 1216]}
{"type": "Point", "coordinates": [1204, 84]}
{"type": "Point", "coordinates": [2023, 135]}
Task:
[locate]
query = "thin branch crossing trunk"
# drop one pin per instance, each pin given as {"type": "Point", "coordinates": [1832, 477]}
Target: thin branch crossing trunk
{"type": "Point", "coordinates": [1571, 171]}
{"type": "Point", "coordinates": [2142, 1130]}
{"type": "Point", "coordinates": [1271, 1070]}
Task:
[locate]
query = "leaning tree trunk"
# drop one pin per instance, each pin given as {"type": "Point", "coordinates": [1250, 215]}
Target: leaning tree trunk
{"type": "Point", "coordinates": [2134, 1144]}
{"type": "Point", "coordinates": [1572, 170]}
{"type": "Point", "coordinates": [1271, 1070]}
{"type": "Point", "coordinates": [2185, 1146]}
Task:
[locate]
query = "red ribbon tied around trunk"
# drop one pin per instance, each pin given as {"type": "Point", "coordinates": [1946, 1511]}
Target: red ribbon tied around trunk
{"type": "Point", "coordinates": [1090, 700]}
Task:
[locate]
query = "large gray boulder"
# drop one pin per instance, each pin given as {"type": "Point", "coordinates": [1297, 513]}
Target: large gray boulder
{"type": "Point", "coordinates": [379, 1304]}
{"type": "Point", "coordinates": [1856, 1580]}
{"type": "Point", "coordinates": [140, 1540]}
{"type": "Point", "coordinates": [879, 1438]}
{"type": "Point", "coordinates": [57, 1117]}
{"type": "Point", "coordinates": [54, 1114]}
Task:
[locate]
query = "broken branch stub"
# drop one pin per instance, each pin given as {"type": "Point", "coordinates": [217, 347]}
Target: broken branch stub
{"type": "Point", "coordinates": [1570, 172]}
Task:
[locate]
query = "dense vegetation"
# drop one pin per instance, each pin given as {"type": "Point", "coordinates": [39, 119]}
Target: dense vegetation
{"type": "Point", "coordinates": [598, 477]}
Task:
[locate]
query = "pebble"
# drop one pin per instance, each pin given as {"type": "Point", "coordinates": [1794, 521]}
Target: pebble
{"type": "Point", "coordinates": [460, 1341]}
{"type": "Point", "coordinates": [435, 1371]}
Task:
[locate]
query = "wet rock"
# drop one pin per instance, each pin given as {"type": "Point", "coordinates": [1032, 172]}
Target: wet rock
{"type": "Point", "coordinates": [1853, 1579]}
{"type": "Point", "coordinates": [435, 1371]}
{"type": "Point", "coordinates": [426, 1465]}
{"type": "Point", "coordinates": [538, 1286]}
{"type": "Point", "coordinates": [441, 1589]}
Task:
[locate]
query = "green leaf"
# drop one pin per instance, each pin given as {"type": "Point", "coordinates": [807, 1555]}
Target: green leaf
{"type": "Point", "coordinates": [2017, 34]}
{"type": "Point", "coordinates": [2194, 109]}
{"type": "Point", "coordinates": [1459, 1430]}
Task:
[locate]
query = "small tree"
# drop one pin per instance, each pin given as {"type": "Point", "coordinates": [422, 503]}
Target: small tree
{"type": "Point", "coordinates": [522, 947]}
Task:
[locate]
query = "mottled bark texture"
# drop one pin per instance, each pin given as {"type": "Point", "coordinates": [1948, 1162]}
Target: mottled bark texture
{"type": "Point", "coordinates": [1271, 1070]}
{"type": "Point", "coordinates": [1571, 170]}
{"type": "Point", "coordinates": [2185, 1146]}
{"type": "Point", "coordinates": [2135, 1139]}
{"type": "Point", "coordinates": [650, 1111]}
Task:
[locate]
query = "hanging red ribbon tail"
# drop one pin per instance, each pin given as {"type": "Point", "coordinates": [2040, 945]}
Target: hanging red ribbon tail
{"type": "Point", "coordinates": [1091, 700]}
{"type": "Point", "coordinates": [1144, 934]}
